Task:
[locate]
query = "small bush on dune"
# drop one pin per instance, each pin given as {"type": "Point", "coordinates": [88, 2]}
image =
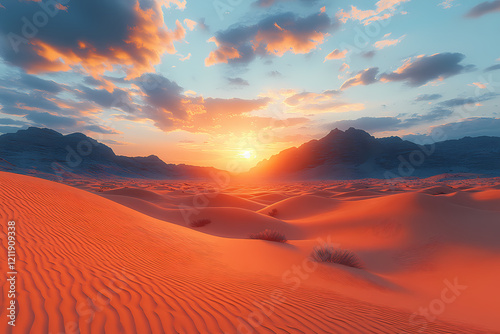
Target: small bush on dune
{"type": "Point", "coordinates": [200, 222]}
{"type": "Point", "coordinates": [330, 254]}
{"type": "Point", "coordinates": [273, 213]}
{"type": "Point", "coordinates": [269, 235]}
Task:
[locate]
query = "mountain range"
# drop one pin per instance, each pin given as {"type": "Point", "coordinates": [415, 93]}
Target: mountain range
{"type": "Point", "coordinates": [355, 154]}
{"type": "Point", "coordinates": [350, 154]}
{"type": "Point", "coordinates": [47, 153]}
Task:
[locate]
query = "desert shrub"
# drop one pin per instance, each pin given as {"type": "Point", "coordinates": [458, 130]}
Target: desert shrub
{"type": "Point", "coordinates": [269, 235]}
{"type": "Point", "coordinates": [331, 254]}
{"type": "Point", "coordinates": [273, 212]}
{"type": "Point", "coordinates": [200, 222]}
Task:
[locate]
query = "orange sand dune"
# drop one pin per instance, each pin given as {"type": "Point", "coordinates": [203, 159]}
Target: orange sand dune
{"type": "Point", "coordinates": [89, 264]}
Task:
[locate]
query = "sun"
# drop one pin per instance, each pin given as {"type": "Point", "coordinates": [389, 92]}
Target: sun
{"type": "Point", "coordinates": [246, 154]}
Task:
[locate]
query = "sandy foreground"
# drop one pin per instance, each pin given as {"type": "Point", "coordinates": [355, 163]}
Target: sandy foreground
{"type": "Point", "coordinates": [120, 257]}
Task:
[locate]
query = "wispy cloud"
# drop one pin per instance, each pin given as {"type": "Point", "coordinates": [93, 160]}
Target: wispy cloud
{"type": "Point", "coordinates": [484, 8]}
{"type": "Point", "coordinates": [336, 54]}
{"type": "Point", "coordinates": [446, 4]}
{"type": "Point", "coordinates": [388, 42]}
{"type": "Point", "coordinates": [384, 9]}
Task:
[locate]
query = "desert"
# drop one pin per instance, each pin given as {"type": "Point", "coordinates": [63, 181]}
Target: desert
{"type": "Point", "coordinates": [249, 167]}
{"type": "Point", "coordinates": [126, 260]}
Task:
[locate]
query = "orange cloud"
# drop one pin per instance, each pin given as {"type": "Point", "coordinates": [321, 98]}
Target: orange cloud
{"type": "Point", "coordinates": [136, 53]}
{"type": "Point", "coordinates": [479, 85]}
{"type": "Point", "coordinates": [280, 41]}
{"type": "Point", "coordinates": [181, 4]}
{"type": "Point", "coordinates": [317, 103]}
{"type": "Point", "coordinates": [365, 77]}
{"type": "Point", "coordinates": [190, 24]}
{"type": "Point", "coordinates": [384, 9]}
{"type": "Point", "coordinates": [185, 58]}
{"type": "Point", "coordinates": [222, 55]}
{"type": "Point", "coordinates": [388, 42]}
{"type": "Point", "coordinates": [336, 54]}
{"type": "Point", "coordinates": [273, 35]}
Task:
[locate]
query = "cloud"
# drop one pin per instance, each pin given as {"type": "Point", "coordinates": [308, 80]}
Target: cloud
{"type": "Point", "coordinates": [428, 97]}
{"type": "Point", "coordinates": [234, 106]}
{"type": "Point", "coordinates": [274, 35]}
{"type": "Point", "coordinates": [423, 69]}
{"type": "Point", "coordinates": [14, 102]}
{"type": "Point", "coordinates": [369, 124]}
{"type": "Point", "coordinates": [309, 97]}
{"type": "Point", "coordinates": [384, 9]}
{"type": "Point", "coordinates": [203, 25]}
{"type": "Point", "coordinates": [336, 54]}
{"type": "Point", "coordinates": [37, 83]}
{"type": "Point", "coordinates": [113, 142]}
{"type": "Point", "coordinates": [117, 99]}
{"type": "Point", "coordinates": [233, 116]}
{"type": "Point", "coordinates": [43, 108]}
{"type": "Point", "coordinates": [316, 103]}
{"type": "Point", "coordinates": [383, 124]}
{"type": "Point", "coordinates": [237, 82]}
{"type": "Point", "coordinates": [166, 104]}
{"type": "Point", "coordinates": [190, 24]}
{"type": "Point", "coordinates": [433, 115]}
{"type": "Point", "coordinates": [388, 42]}
{"type": "Point", "coordinates": [83, 35]}
{"type": "Point", "coordinates": [104, 82]}
{"type": "Point", "coordinates": [344, 67]}
{"type": "Point", "coordinates": [39, 102]}
{"type": "Point", "coordinates": [415, 71]}
{"type": "Point", "coordinates": [50, 120]}
{"type": "Point", "coordinates": [446, 4]}
{"type": "Point", "coordinates": [274, 74]}
{"type": "Point", "coordinates": [269, 3]}
{"type": "Point", "coordinates": [480, 85]}
{"type": "Point", "coordinates": [101, 129]}
{"type": "Point", "coordinates": [165, 99]}
{"type": "Point", "coordinates": [9, 129]}
{"type": "Point", "coordinates": [223, 54]}
{"type": "Point", "coordinates": [493, 68]}
{"type": "Point", "coordinates": [9, 121]}
{"type": "Point", "coordinates": [469, 127]}
{"type": "Point", "coordinates": [368, 54]}
{"type": "Point", "coordinates": [457, 102]}
{"type": "Point", "coordinates": [484, 8]}
{"type": "Point", "coordinates": [365, 77]}
{"type": "Point", "coordinates": [186, 57]}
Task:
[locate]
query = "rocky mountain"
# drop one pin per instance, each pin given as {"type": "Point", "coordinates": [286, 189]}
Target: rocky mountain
{"type": "Point", "coordinates": [355, 154]}
{"type": "Point", "coordinates": [47, 153]}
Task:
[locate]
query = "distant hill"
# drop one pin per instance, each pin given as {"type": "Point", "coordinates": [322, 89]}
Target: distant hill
{"type": "Point", "coordinates": [47, 153]}
{"type": "Point", "coordinates": [355, 154]}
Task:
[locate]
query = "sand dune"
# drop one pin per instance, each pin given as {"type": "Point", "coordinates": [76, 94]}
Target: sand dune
{"type": "Point", "coordinates": [126, 261]}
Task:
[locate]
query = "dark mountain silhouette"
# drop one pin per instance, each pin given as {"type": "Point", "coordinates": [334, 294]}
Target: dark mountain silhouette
{"type": "Point", "coordinates": [48, 153]}
{"type": "Point", "coordinates": [355, 154]}
{"type": "Point", "coordinates": [352, 154]}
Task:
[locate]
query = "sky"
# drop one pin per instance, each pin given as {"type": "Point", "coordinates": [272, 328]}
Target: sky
{"type": "Point", "coordinates": [227, 83]}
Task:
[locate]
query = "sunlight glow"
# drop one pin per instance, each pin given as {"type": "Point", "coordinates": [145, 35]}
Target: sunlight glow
{"type": "Point", "coordinates": [247, 154]}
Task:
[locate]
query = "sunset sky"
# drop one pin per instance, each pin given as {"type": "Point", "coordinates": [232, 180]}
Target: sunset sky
{"type": "Point", "coordinates": [219, 83]}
